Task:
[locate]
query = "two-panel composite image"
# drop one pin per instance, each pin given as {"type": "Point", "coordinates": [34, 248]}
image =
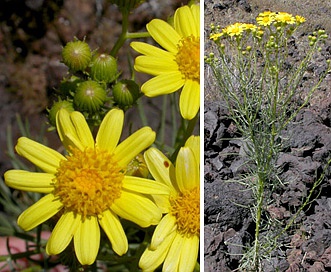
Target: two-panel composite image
{"type": "Point", "coordinates": [174, 136]}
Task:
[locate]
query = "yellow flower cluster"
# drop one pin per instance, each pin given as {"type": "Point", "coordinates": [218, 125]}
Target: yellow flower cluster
{"type": "Point", "coordinates": [234, 30]}
{"type": "Point", "coordinates": [267, 18]}
{"type": "Point", "coordinates": [264, 19]}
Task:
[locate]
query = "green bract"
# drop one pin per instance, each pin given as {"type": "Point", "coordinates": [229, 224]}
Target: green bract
{"type": "Point", "coordinates": [126, 92]}
{"type": "Point", "coordinates": [76, 55]}
{"type": "Point", "coordinates": [104, 68]}
{"type": "Point", "coordinates": [56, 107]}
{"type": "Point", "coordinates": [90, 96]}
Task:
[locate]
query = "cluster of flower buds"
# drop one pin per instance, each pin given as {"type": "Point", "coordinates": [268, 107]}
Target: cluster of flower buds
{"type": "Point", "coordinates": [316, 36]}
{"type": "Point", "coordinates": [92, 86]}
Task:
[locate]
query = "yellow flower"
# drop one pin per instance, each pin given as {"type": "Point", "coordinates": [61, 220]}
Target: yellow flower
{"type": "Point", "coordinates": [175, 241]}
{"type": "Point", "coordinates": [234, 30]}
{"type": "Point", "coordinates": [249, 27]}
{"type": "Point", "coordinates": [215, 36]}
{"type": "Point", "coordinates": [266, 18]}
{"type": "Point", "coordinates": [299, 19]}
{"type": "Point", "coordinates": [87, 188]}
{"type": "Point", "coordinates": [178, 65]}
{"type": "Point", "coordinates": [285, 18]}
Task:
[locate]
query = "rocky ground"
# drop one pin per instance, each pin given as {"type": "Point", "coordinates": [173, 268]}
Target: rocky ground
{"type": "Point", "coordinates": [229, 227]}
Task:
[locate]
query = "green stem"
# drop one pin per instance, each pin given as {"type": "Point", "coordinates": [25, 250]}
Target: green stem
{"type": "Point", "coordinates": [121, 39]}
{"type": "Point", "coordinates": [260, 193]}
{"type": "Point", "coordinates": [125, 34]}
{"type": "Point", "coordinates": [163, 119]}
{"type": "Point", "coordinates": [142, 113]}
{"type": "Point", "coordinates": [174, 113]}
{"type": "Point", "coordinates": [137, 35]}
{"type": "Point", "coordinates": [188, 132]}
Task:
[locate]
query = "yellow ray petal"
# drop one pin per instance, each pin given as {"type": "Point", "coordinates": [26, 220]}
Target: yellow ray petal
{"type": "Point", "coordinates": [43, 157]}
{"type": "Point", "coordinates": [166, 226]}
{"type": "Point", "coordinates": [114, 230]}
{"type": "Point", "coordinates": [159, 166]}
{"type": "Point", "coordinates": [87, 240]}
{"type": "Point", "coordinates": [73, 130]}
{"type": "Point", "coordinates": [31, 182]}
{"type": "Point", "coordinates": [133, 145]}
{"type": "Point", "coordinates": [163, 84]}
{"type": "Point", "coordinates": [110, 130]}
{"type": "Point", "coordinates": [137, 208]}
{"type": "Point", "coordinates": [196, 18]}
{"type": "Point", "coordinates": [164, 35]}
{"type": "Point", "coordinates": [171, 262]}
{"type": "Point", "coordinates": [145, 186]}
{"type": "Point", "coordinates": [152, 259]}
{"type": "Point", "coordinates": [187, 170]}
{"type": "Point", "coordinates": [189, 102]}
{"type": "Point", "coordinates": [193, 142]}
{"type": "Point", "coordinates": [71, 141]}
{"type": "Point", "coordinates": [64, 126]}
{"type": "Point", "coordinates": [163, 202]}
{"type": "Point", "coordinates": [184, 22]}
{"type": "Point", "coordinates": [82, 129]}
{"type": "Point", "coordinates": [155, 66]}
{"type": "Point", "coordinates": [150, 50]}
{"type": "Point", "coordinates": [62, 233]}
{"type": "Point", "coordinates": [39, 212]}
{"type": "Point", "coordinates": [189, 254]}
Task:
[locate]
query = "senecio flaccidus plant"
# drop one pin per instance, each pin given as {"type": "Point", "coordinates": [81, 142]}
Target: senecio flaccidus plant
{"type": "Point", "coordinates": [259, 81]}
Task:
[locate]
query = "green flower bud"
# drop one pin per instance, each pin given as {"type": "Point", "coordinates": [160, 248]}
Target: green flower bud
{"type": "Point", "coordinates": [56, 107]}
{"type": "Point", "coordinates": [104, 68]}
{"type": "Point", "coordinates": [90, 96]}
{"type": "Point", "coordinates": [126, 92]}
{"type": "Point", "coordinates": [321, 32]}
{"type": "Point", "coordinates": [127, 4]}
{"type": "Point", "coordinates": [69, 85]}
{"type": "Point", "coordinates": [76, 55]}
{"type": "Point", "coordinates": [137, 167]}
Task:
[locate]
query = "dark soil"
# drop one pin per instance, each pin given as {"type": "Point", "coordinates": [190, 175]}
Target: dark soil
{"type": "Point", "coordinates": [229, 226]}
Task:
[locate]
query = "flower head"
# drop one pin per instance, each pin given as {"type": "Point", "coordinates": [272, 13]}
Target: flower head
{"type": "Point", "coordinates": [235, 29]}
{"type": "Point", "coordinates": [215, 36]}
{"type": "Point", "coordinates": [299, 19]}
{"type": "Point", "coordinates": [249, 27]}
{"type": "Point", "coordinates": [178, 64]}
{"type": "Point", "coordinates": [87, 188]}
{"type": "Point", "coordinates": [284, 18]}
{"type": "Point", "coordinates": [176, 238]}
{"type": "Point", "coordinates": [266, 18]}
